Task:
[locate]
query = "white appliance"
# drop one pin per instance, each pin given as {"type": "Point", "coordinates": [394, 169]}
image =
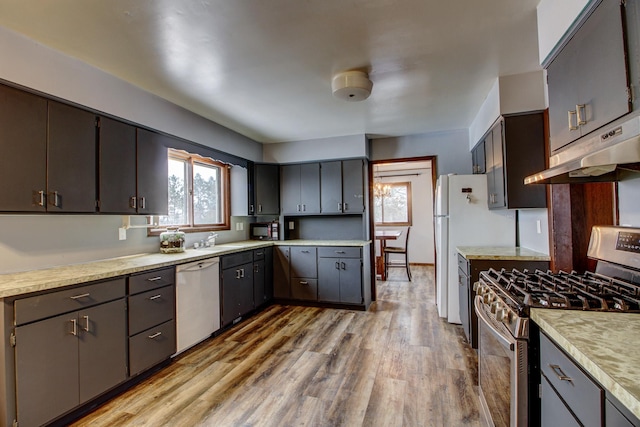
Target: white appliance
{"type": "Point", "coordinates": [462, 218]}
{"type": "Point", "coordinates": [197, 302]}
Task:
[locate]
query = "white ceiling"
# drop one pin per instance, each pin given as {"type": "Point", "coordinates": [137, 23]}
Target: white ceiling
{"type": "Point", "coordinates": [264, 68]}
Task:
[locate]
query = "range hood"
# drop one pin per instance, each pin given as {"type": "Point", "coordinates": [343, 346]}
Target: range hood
{"type": "Point", "coordinates": [612, 154]}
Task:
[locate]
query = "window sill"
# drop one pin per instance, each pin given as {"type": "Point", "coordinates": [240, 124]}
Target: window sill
{"type": "Point", "coordinates": [188, 229]}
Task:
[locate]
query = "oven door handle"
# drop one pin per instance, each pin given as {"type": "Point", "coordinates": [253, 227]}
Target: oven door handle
{"type": "Point", "coordinates": [507, 339]}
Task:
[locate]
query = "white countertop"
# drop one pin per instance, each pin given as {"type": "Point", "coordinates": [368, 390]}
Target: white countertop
{"type": "Point", "coordinates": [605, 344]}
{"type": "Point", "coordinates": [14, 284]}
{"type": "Point", "coordinates": [501, 253]}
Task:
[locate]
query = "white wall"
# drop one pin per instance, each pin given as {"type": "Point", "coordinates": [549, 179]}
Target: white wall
{"type": "Point", "coordinates": [452, 149]}
{"type": "Point", "coordinates": [529, 222]}
{"type": "Point", "coordinates": [341, 147]}
{"type": "Point", "coordinates": [487, 114]}
{"type": "Point", "coordinates": [554, 19]}
{"type": "Point", "coordinates": [41, 241]}
{"type": "Point", "coordinates": [421, 241]}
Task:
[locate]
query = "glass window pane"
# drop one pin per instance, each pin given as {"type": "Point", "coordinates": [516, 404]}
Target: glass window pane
{"type": "Point", "coordinates": [178, 194]}
{"type": "Point", "coordinates": [377, 209]}
{"type": "Point", "coordinates": [395, 205]}
{"type": "Point", "coordinates": [207, 193]}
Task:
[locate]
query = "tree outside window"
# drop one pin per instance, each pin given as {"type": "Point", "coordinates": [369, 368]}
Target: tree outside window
{"type": "Point", "coordinates": [393, 207]}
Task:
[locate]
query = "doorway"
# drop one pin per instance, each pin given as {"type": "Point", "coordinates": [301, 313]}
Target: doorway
{"type": "Point", "coordinates": [401, 196]}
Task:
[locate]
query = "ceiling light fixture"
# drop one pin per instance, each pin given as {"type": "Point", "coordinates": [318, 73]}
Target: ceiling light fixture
{"type": "Point", "coordinates": [351, 86]}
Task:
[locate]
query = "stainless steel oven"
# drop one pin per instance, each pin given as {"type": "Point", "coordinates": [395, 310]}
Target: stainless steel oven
{"type": "Point", "coordinates": [503, 365]}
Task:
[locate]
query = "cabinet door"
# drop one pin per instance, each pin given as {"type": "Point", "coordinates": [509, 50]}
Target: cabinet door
{"type": "Point", "coordinates": [331, 187]}
{"type": "Point", "coordinates": [478, 158]}
{"type": "Point", "coordinates": [267, 189]}
{"type": "Point", "coordinates": [329, 279]}
{"type": "Point", "coordinates": [102, 348]}
{"type": "Point", "coordinates": [303, 262]}
{"type": "Point", "coordinates": [496, 191]}
{"type": "Point", "coordinates": [465, 306]}
{"type": "Point", "coordinates": [245, 291]}
{"type": "Point", "coordinates": [230, 294]}
{"type": "Point", "coordinates": [71, 159]}
{"type": "Point", "coordinates": [268, 274]}
{"type": "Point", "coordinates": [351, 280]}
{"type": "Point", "coordinates": [281, 288]}
{"type": "Point", "coordinates": [601, 67]}
{"type": "Point", "coordinates": [23, 141]}
{"type": "Point", "coordinates": [563, 91]}
{"type": "Point", "coordinates": [353, 186]}
{"type": "Point", "coordinates": [47, 383]}
{"type": "Point", "coordinates": [310, 187]}
{"type": "Point", "coordinates": [290, 185]}
{"type": "Point", "coordinates": [117, 167]}
{"type": "Point", "coordinates": [553, 411]}
{"type": "Point", "coordinates": [259, 292]}
{"type": "Point", "coordinates": [152, 172]}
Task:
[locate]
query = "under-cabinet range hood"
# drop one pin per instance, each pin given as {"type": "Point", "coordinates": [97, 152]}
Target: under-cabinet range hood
{"type": "Point", "coordinates": [612, 154]}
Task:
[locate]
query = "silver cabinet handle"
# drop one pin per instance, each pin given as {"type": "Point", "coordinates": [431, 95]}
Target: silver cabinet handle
{"type": "Point", "coordinates": [153, 336]}
{"type": "Point", "coordinates": [340, 252]}
{"type": "Point", "coordinates": [304, 282]}
{"type": "Point", "coordinates": [74, 328]}
{"type": "Point", "coordinates": [256, 268]}
{"type": "Point", "coordinates": [345, 206]}
{"type": "Point", "coordinates": [304, 207]}
{"type": "Point", "coordinates": [86, 323]}
{"type": "Point", "coordinates": [337, 265]}
{"type": "Point", "coordinates": [571, 114]}
{"type": "Point", "coordinates": [155, 297]}
{"type": "Point", "coordinates": [143, 203]}
{"type": "Point", "coordinates": [343, 265]}
{"type": "Point", "coordinates": [339, 206]}
{"type": "Point", "coordinates": [80, 296]}
{"type": "Point", "coordinates": [582, 119]}
{"type": "Point", "coordinates": [237, 274]}
{"type": "Point", "coordinates": [305, 252]}
{"type": "Point", "coordinates": [54, 199]}
{"type": "Point", "coordinates": [133, 202]}
{"type": "Point", "coordinates": [155, 279]}
{"type": "Point", "coordinates": [250, 208]}
{"type": "Point", "coordinates": [298, 208]}
{"type": "Point", "coordinates": [38, 198]}
{"type": "Point", "coordinates": [259, 208]}
{"type": "Point", "coordinates": [241, 273]}
{"type": "Point", "coordinates": [560, 373]}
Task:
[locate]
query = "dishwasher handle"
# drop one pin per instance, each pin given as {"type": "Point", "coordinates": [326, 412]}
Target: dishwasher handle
{"type": "Point", "coordinates": [197, 266]}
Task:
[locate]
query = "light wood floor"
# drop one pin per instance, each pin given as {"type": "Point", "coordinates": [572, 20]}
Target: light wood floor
{"type": "Point", "coordinates": [396, 365]}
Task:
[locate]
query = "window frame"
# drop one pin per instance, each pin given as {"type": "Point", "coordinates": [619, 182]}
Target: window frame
{"type": "Point", "coordinates": [225, 177]}
{"type": "Point", "coordinates": [409, 221]}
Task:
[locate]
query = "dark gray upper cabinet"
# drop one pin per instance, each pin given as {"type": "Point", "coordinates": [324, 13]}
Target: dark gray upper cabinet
{"type": "Point", "coordinates": [479, 164]}
{"type": "Point", "coordinates": [49, 155]}
{"type": "Point", "coordinates": [71, 159]}
{"type": "Point", "coordinates": [266, 190]}
{"type": "Point", "coordinates": [588, 80]}
{"type": "Point", "coordinates": [514, 149]}
{"type": "Point", "coordinates": [153, 179]}
{"type": "Point", "coordinates": [117, 167]}
{"type": "Point", "coordinates": [133, 169]}
{"type": "Point", "coordinates": [300, 188]}
{"type": "Point", "coordinates": [342, 186]}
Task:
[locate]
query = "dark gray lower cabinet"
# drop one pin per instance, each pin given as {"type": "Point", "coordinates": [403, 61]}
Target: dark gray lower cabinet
{"type": "Point", "coordinates": [66, 360]}
{"type": "Point", "coordinates": [553, 410]}
{"type": "Point", "coordinates": [340, 274]}
{"type": "Point", "coordinates": [236, 286]}
{"type": "Point", "coordinates": [262, 276]}
{"type": "Point", "coordinates": [151, 347]}
{"type": "Point", "coordinates": [281, 261]}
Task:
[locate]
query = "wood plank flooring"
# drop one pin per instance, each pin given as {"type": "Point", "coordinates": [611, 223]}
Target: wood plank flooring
{"type": "Point", "coordinates": [397, 364]}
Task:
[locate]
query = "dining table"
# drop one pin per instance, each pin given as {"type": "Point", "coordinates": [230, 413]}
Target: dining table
{"type": "Point", "coordinates": [383, 236]}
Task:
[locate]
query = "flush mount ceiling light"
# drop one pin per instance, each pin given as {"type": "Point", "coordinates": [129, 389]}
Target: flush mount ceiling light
{"type": "Point", "coordinates": [351, 86]}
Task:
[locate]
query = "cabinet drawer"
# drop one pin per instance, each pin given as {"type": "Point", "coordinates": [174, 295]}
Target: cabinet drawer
{"type": "Point", "coordinates": [232, 260]}
{"type": "Point", "coordinates": [151, 308]}
{"type": "Point", "coordinates": [306, 289]}
{"type": "Point", "coordinates": [339, 252]}
{"type": "Point", "coordinates": [258, 254]}
{"type": "Point", "coordinates": [304, 262]}
{"type": "Point", "coordinates": [151, 280]}
{"type": "Point", "coordinates": [151, 347]}
{"type": "Point", "coordinates": [58, 302]}
{"type": "Point", "coordinates": [581, 394]}
{"type": "Point", "coordinates": [463, 264]}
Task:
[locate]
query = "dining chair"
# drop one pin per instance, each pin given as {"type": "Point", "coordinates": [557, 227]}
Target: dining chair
{"type": "Point", "coordinates": [389, 250]}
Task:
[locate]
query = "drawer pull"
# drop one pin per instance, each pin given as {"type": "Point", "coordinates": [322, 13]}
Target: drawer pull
{"type": "Point", "coordinates": [560, 373]}
{"type": "Point", "coordinates": [154, 336]}
{"type": "Point", "coordinates": [154, 297]}
{"type": "Point", "coordinates": [155, 279]}
{"type": "Point", "coordinates": [80, 296]}
{"type": "Point", "coordinates": [304, 282]}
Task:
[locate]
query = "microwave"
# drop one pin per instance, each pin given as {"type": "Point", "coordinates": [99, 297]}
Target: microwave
{"type": "Point", "coordinates": [264, 230]}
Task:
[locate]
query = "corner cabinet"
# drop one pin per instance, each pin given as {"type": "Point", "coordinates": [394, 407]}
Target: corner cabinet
{"type": "Point", "coordinates": [132, 169]}
{"type": "Point", "coordinates": [49, 152]}
{"type": "Point", "coordinates": [588, 80]}
{"type": "Point", "coordinates": [342, 186]}
{"type": "Point", "coordinates": [300, 188]}
{"type": "Point", "coordinates": [514, 149]}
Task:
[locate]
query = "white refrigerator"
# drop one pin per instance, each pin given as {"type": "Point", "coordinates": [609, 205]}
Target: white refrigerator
{"type": "Point", "coordinates": [462, 218]}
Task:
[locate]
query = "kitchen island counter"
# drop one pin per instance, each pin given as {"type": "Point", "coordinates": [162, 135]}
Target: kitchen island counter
{"type": "Point", "coordinates": [605, 344]}
{"type": "Point", "coordinates": [14, 284]}
{"type": "Point", "coordinates": [501, 253]}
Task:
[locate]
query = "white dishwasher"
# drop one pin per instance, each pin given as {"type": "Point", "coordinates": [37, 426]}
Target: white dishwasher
{"type": "Point", "coordinates": [197, 302]}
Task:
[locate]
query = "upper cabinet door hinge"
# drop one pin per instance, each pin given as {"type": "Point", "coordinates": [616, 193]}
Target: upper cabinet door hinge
{"type": "Point", "coordinates": [12, 339]}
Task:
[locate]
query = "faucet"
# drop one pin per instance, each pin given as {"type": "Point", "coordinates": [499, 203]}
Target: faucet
{"type": "Point", "coordinates": [211, 240]}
